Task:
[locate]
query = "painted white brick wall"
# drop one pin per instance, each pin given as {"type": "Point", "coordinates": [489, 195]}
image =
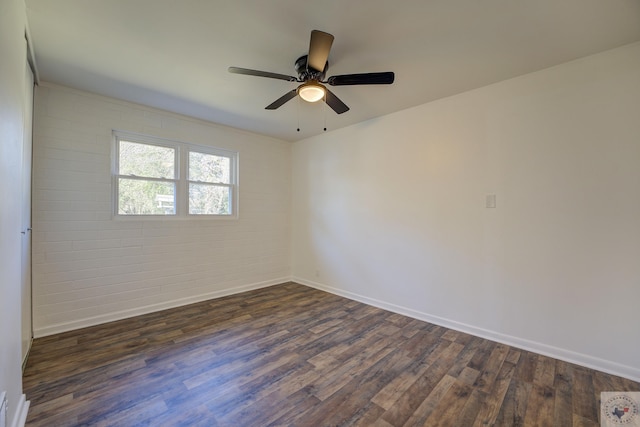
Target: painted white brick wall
{"type": "Point", "coordinates": [89, 268]}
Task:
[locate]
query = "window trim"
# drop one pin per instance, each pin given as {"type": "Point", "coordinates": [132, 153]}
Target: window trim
{"type": "Point", "coordinates": [181, 194]}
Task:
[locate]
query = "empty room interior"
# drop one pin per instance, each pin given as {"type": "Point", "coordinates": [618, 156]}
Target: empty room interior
{"type": "Point", "coordinates": [285, 213]}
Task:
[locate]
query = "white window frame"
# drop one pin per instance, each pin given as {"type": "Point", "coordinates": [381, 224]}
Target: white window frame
{"type": "Point", "coordinates": [181, 194]}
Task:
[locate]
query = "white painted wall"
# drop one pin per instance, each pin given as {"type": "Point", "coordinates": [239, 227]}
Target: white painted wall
{"type": "Point", "coordinates": [13, 57]}
{"type": "Point", "coordinates": [392, 211]}
{"type": "Point", "coordinates": [89, 268]}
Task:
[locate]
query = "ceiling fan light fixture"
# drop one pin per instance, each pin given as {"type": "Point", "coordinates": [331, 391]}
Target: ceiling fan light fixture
{"type": "Point", "coordinates": [311, 91]}
{"type": "Point", "coordinates": [311, 69]}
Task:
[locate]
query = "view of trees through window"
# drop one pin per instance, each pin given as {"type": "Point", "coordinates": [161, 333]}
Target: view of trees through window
{"type": "Point", "coordinates": [206, 173]}
{"type": "Point", "coordinates": [149, 180]}
{"type": "Point", "coordinates": [149, 188]}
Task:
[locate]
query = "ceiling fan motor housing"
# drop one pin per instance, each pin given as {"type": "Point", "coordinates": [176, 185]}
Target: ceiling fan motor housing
{"type": "Point", "coordinates": [307, 73]}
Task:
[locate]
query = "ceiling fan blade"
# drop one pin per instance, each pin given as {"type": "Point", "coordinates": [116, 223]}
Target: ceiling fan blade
{"type": "Point", "coordinates": [319, 48]}
{"type": "Point", "coordinates": [282, 100]}
{"type": "Point", "coordinates": [385, 78]}
{"type": "Point", "coordinates": [335, 103]}
{"type": "Point", "coordinates": [237, 70]}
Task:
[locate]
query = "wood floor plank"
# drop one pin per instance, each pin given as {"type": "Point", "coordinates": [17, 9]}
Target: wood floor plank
{"type": "Point", "coordinates": [544, 374]}
{"type": "Point", "coordinates": [368, 416]}
{"type": "Point", "coordinates": [492, 405]}
{"type": "Point", "coordinates": [290, 355]}
{"type": "Point", "coordinates": [540, 408]}
{"type": "Point", "coordinates": [487, 378]}
{"type": "Point", "coordinates": [430, 403]}
{"type": "Point", "coordinates": [584, 402]}
{"type": "Point", "coordinates": [526, 366]}
{"type": "Point", "coordinates": [471, 408]}
{"type": "Point", "coordinates": [283, 390]}
{"type": "Point", "coordinates": [409, 402]}
{"type": "Point", "coordinates": [344, 405]}
{"type": "Point", "coordinates": [448, 409]}
{"type": "Point", "coordinates": [465, 356]}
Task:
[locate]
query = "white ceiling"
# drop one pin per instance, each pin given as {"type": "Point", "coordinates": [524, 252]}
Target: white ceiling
{"type": "Point", "coordinates": [174, 54]}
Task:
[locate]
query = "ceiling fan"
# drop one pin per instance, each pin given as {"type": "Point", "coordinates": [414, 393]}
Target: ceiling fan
{"type": "Point", "coordinates": [311, 69]}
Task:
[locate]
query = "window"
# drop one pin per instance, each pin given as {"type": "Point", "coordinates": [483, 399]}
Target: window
{"type": "Point", "coordinates": [209, 184]}
{"type": "Point", "coordinates": [146, 179]}
{"type": "Point", "coordinates": [154, 177]}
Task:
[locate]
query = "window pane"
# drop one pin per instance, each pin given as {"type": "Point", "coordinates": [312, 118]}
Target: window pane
{"type": "Point", "coordinates": [208, 167]}
{"type": "Point", "coordinates": [140, 197]}
{"type": "Point", "coordinates": [207, 199]}
{"type": "Point", "coordinates": [146, 160]}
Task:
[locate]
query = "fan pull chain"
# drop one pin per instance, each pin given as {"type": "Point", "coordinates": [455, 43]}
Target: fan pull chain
{"type": "Point", "coordinates": [298, 109]}
{"type": "Point", "coordinates": [324, 107]}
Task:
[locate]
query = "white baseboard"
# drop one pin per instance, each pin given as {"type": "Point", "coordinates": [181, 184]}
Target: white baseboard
{"type": "Point", "coordinates": [20, 419]}
{"type": "Point", "coordinates": [26, 356]}
{"type": "Point", "coordinates": [537, 347]}
{"type": "Point", "coordinates": [124, 314]}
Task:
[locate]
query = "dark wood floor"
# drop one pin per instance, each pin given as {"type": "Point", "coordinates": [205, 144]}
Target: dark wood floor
{"type": "Point", "coordinates": [295, 356]}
